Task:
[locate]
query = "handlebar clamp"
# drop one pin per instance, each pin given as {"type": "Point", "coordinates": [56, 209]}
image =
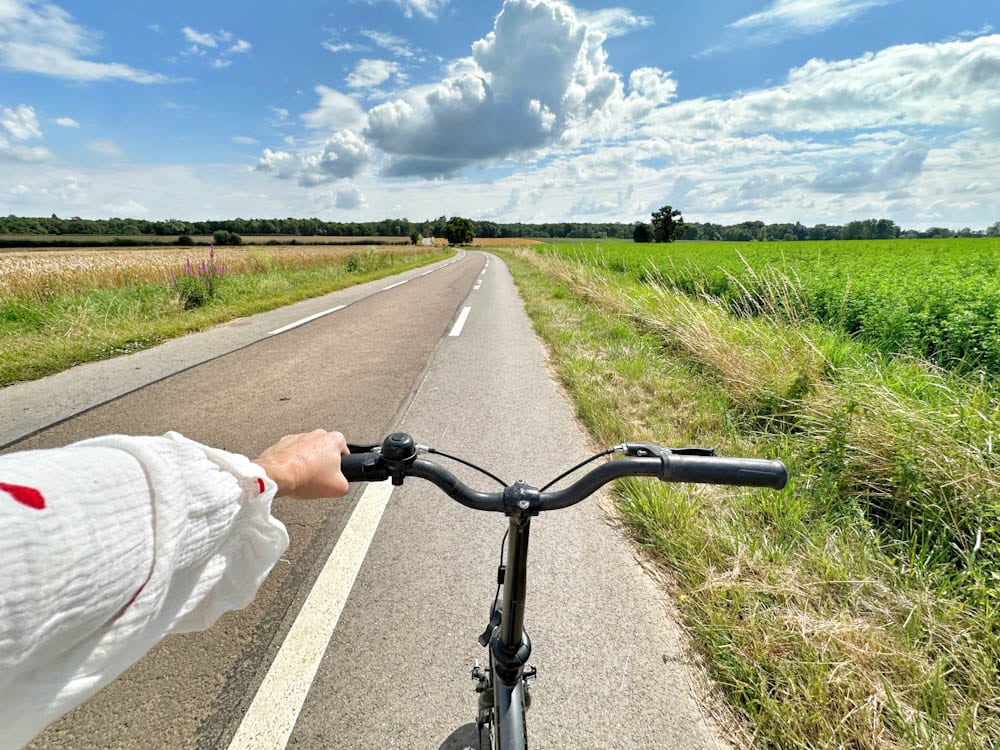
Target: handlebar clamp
{"type": "Point", "coordinates": [522, 499]}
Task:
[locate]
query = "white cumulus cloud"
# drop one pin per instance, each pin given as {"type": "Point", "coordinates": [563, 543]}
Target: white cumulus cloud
{"type": "Point", "coordinates": [538, 78]}
{"type": "Point", "coordinates": [349, 197]}
{"type": "Point", "coordinates": [537, 73]}
{"type": "Point", "coordinates": [336, 111]}
{"type": "Point", "coordinates": [126, 208]}
{"type": "Point", "coordinates": [343, 155]}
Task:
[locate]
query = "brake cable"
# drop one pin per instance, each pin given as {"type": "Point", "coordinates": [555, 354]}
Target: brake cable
{"type": "Point", "coordinates": [579, 466]}
{"type": "Point", "coordinates": [471, 465]}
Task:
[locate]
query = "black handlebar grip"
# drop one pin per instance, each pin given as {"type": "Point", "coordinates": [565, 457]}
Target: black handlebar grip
{"type": "Point", "coordinates": [747, 472]}
{"type": "Point", "coordinates": [352, 466]}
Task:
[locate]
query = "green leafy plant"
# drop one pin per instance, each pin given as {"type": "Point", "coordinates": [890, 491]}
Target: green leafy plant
{"type": "Point", "coordinates": [197, 285]}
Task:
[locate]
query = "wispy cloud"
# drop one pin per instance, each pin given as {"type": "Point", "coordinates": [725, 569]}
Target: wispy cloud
{"type": "Point", "coordinates": [199, 39]}
{"type": "Point", "coordinates": [220, 43]}
{"type": "Point", "coordinates": [67, 122]}
{"type": "Point", "coordinates": [342, 47]}
{"type": "Point", "coordinates": [614, 21]}
{"type": "Point", "coordinates": [785, 17]}
{"type": "Point", "coordinates": [39, 37]}
{"type": "Point", "coordinates": [426, 8]}
{"type": "Point", "coordinates": [106, 148]}
{"type": "Point", "coordinates": [389, 42]}
{"type": "Point", "coordinates": [983, 30]}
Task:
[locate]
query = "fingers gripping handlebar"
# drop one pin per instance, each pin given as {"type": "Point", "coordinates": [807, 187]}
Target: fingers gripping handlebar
{"type": "Point", "coordinates": [397, 458]}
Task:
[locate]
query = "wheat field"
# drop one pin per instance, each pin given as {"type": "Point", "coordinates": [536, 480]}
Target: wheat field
{"type": "Point", "coordinates": [45, 273]}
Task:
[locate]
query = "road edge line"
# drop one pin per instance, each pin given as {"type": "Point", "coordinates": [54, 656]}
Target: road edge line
{"type": "Point", "coordinates": [271, 717]}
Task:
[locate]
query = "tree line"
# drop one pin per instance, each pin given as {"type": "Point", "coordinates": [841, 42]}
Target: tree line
{"type": "Point", "coordinates": [746, 231]}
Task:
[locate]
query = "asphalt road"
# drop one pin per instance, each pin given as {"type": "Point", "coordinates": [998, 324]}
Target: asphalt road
{"type": "Point", "coordinates": [613, 671]}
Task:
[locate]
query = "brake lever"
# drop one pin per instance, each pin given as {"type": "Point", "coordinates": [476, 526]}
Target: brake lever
{"type": "Point", "coordinates": [646, 450]}
{"type": "Point", "coordinates": [363, 448]}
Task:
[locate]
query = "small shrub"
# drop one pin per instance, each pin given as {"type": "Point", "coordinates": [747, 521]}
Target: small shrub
{"type": "Point", "coordinates": [185, 239]}
{"type": "Point", "coordinates": [222, 237]}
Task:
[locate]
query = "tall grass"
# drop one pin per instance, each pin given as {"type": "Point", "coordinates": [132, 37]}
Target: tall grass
{"type": "Point", "coordinates": [934, 299]}
{"type": "Point", "coordinates": [857, 608]}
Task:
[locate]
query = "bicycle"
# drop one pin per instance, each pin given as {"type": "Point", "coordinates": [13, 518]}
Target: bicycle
{"type": "Point", "coordinates": [503, 687]}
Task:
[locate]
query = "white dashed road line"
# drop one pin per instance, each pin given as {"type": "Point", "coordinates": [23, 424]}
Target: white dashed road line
{"type": "Point", "coordinates": [460, 323]}
{"type": "Point", "coordinates": [303, 321]}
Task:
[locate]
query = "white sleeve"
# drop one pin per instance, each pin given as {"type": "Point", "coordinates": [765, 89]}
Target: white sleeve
{"type": "Point", "coordinates": [108, 545]}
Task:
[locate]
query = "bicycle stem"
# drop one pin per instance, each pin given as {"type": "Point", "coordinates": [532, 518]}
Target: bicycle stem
{"type": "Point", "coordinates": [515, 591]}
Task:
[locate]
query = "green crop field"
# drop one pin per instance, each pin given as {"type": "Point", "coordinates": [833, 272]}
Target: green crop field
{"type": "Point", "coordinates": [934, 299]}
{"type": "Point", "coordinates": [860, 606]}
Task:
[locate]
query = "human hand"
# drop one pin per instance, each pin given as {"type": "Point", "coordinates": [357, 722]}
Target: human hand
{"type": "Point", "coordinates": [307, 466]}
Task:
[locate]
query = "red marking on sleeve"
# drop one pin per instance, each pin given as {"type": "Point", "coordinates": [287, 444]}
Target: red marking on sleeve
{"type": "Point", "coordinates": [25, 495]}
{"type": "Point", "coordinates": [260, 484]}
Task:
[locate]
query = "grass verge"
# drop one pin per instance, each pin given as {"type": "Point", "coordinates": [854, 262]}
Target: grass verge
{"type": "Point", "coordinates": [44, 333]}
{"type": "Point", "coordinates": [858, 608]}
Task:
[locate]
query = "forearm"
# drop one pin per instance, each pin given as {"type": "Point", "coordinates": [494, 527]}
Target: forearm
{"type": "Point", "coordinates": [139, 537]}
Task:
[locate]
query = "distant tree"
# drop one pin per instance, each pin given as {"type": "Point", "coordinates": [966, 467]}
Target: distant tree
{"type": "Point", "coordinates": [993, 230]}
{"type": "Point", "coordinates": [642, 233]}
{"type": "Point", "coordinates": [667, 224]}
{"type": "Point", "coordinates": [459, 231]}
{"type": "Point", "coordinates": [414, 237]}
{"type": "Point", "coordinates": [224, 237]}
{"type": "Point", "coordinates": [185, 239]}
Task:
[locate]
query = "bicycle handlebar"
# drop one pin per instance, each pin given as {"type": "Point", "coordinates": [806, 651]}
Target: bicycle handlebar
{"type": "Point", "coordinates": [396, 458]}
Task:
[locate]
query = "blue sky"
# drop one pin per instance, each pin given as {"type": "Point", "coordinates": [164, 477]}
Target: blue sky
{"type": "Point", "coordinates": [523, 110]}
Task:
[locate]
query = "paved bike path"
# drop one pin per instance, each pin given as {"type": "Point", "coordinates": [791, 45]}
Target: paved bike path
{"type": "Point", "coordinates": [613, 670]}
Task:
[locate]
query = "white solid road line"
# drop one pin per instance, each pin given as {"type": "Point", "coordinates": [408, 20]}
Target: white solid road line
{"type": "Point", "coordinates": [460, 323]}
{"type": "Point", "coordinates": [269, 721]}
{"type": "Point", "coordinates": [393, 286]}
{"type": "Point", "coordinates": [297, 323]}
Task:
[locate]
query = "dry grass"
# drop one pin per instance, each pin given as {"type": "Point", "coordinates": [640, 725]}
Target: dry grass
{"type": "Point", "coordinates": [171, 239]}
{"type": "Point", "coordinates": [47, 273]}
